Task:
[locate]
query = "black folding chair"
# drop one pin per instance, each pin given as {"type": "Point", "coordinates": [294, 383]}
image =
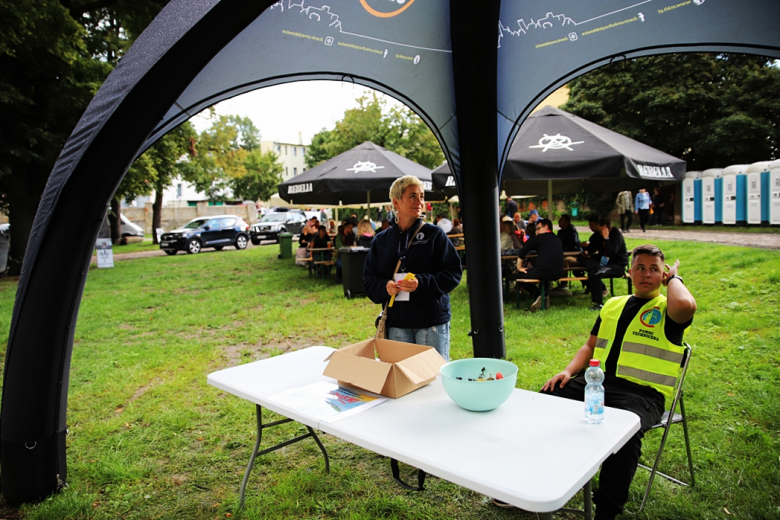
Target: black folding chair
{"type": "Point", "coordinates": [666, 424]}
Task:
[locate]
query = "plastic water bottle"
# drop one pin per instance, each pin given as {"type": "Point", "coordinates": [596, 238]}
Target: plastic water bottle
{"type": "Point", "coordinates": [594, 393]}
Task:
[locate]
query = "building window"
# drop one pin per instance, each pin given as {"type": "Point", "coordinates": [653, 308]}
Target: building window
{"type": "Point", "coordinates": [286, 171]}
{"type": "Point", "coordinates": [278, 148]}
{"type": "Point", "coordinates": [295, 171]}
{"type": "Point", "coordinates": [285, 149]}
{"type": "Point", "coordinates": [295, 151]}
{"type": "Point", "coordinates": [178, 191]}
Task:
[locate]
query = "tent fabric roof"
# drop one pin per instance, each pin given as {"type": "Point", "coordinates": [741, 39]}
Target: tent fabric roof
{"type": "Point", "coordinates": [472, 85]}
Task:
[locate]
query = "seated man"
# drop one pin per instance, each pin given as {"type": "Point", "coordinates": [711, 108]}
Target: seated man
{"type": "Point", "coordinates": [608, 262]}
{"type": "Point", "coordinates": [639, 340]}
{"type": "Point", "coordinates": [549, 260]}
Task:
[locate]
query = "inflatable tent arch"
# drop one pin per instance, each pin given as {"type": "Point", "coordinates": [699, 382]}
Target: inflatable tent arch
{"type": "Point", "coordinates": [462, 65]}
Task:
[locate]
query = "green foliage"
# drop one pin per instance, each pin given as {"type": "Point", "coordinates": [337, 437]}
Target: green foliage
{"type": "Point", "coordinates": [399, 130]}
{"type": "Point", "coordinates": [149, 438]}
{"type": "Point", "coordinates": [711, 110]}
{"type": "Point", "coordinates": [262, 177]}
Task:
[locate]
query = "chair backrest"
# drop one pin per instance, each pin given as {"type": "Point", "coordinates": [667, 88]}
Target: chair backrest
{"type": "Point", "coordinates": [681, 377]}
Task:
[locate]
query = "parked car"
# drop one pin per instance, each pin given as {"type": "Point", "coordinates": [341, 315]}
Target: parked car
{"type": "Point", "coordinates": [269, 227]}
{"type": "Point", "coordinates": [129, 229]}
{"type": "Point", "coordinates": [216, 231]}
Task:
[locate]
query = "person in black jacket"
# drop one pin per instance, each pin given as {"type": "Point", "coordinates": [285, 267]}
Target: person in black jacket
{"type": "Point", "coordinates": [421, 311]}
{"type": "Point", "coordinates": [613, 260]}
{"type": "Point", "coordinates": [549, 260]}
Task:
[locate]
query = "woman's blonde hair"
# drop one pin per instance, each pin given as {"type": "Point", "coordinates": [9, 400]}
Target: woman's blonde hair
{"type": "Point", "coordinates": [364, 227]}
{"type": "Point", "coordinates": [400, 185]}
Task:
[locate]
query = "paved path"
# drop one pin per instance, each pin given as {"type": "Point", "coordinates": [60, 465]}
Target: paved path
{"type": "Point", "coordinates": [760, 240]}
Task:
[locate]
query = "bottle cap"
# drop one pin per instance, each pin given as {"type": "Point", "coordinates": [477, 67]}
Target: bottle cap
{"type": "Point", "coordinates": [594, 362]}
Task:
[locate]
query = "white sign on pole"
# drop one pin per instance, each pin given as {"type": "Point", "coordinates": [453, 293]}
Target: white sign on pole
{"type": "Point", "coordinates": [105, 254]}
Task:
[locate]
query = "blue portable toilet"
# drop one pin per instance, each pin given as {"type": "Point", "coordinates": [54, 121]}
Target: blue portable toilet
{"type": "Point", "coordinates": [774, 191]}
{"type": "Point", "coordinates": [735, 194]}
{"type": "Point", "coordinates": [758, 192]}
{"type": "Point", "coordinates": [691, 207]}
{"type": "Point", "coordinates": [711, 188]}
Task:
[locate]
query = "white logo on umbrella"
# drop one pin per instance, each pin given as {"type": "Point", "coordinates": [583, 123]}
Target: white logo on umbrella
{"type": "Point", "coordinates": [367, 166]}
{"type": "Point", "coordinates": [555, 142]}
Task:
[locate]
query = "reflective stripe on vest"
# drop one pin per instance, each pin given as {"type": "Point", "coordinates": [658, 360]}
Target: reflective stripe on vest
{"type": "Point", "coordinates": [647, 357]}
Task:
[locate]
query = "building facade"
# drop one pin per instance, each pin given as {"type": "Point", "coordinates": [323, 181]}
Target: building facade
{"type": "Point", "coordinates": [292, 156]}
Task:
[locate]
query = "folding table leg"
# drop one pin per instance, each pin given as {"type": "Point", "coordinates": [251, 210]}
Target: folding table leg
{"type": "Point", "coordinates": [255, 453]}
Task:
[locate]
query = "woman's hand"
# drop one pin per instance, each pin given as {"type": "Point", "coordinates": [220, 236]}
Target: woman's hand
{"type": "Point", "coordinates": [392, 288]}
{"type": "Point", "coordinates": [408, 285]}
{"type": "Point", "coordinates": [561, 378]}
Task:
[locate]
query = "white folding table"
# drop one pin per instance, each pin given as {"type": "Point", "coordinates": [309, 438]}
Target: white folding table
{"type": "Point", "coordinates": [534, 451]}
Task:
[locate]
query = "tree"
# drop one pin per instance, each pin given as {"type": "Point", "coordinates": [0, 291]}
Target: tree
{"type": "Point", "coordinates": [399, 130]}
{"type": "Point", "coordinates": [54, 55]}
{"type": "Point", "coordinates": [710, 110]}
{"type": "Point", "coordinates": [262, 177]}
{"type": "Point", "coordinates": [157, 168]}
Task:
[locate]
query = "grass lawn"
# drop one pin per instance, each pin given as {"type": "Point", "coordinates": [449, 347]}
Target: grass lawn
{"type": "Point", "coordinates": [150, 439]}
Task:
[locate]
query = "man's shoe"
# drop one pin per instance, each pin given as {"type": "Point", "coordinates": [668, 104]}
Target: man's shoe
{"type": "Point", "coordinates": [596, 307]}
{"type": "Point", "coordinates": [501, 503]}
{"type": "Point", "coordinates": [537, 304]}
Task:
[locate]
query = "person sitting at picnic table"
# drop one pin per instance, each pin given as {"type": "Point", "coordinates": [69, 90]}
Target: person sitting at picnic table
{"type": "Point", "coordinates": [344, 238]}
{"type": "Point", "coordinates": [549, 261]}
{"type": "Point", "coordinates": [423, 315]}
{"type": "Point", "coordinates": [530, 231]}
{"type": "Point", "coordinates": [457, 229]}
{"type": "Point", "coordinates": [385, 224]}
{"type": "Point", "coordinates": [639, 341]}
{"type": "Point", "coordinates": [322, 241]}
{"type": "Point", "coordinates": [306, 233]}
{"type": "Point", "coordinates": [570, 239]}
{"type": "Point", "coordinates": [365, 233]}
{"type": "Point", "coordinates": [507, 235]}
{"type": "Point", "coordinates": [332, 230]}
{"type": "Point", "coordinates": [533, 216]}
{"type": "Point", "coordinates": [519, 222]}
{"type": "Point", "coordinates": [609, 261]}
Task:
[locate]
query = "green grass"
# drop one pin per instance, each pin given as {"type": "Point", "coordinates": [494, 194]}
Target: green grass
{"type": "Point", "coordinates": [150, 439]}
{"type": "Point", "coordinates": [145, 245]}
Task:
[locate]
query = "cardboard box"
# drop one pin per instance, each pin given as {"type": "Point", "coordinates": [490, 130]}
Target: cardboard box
{"type": "Point", "coordinates": [389, 368]}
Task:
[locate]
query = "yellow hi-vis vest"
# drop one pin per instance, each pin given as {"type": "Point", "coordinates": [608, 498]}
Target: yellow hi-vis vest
{"type": "Point", "coordinates": [647, 357]}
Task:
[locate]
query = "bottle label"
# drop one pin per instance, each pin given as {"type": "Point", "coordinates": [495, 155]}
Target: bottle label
{"type": "Point", "coordinates": [594, 405]}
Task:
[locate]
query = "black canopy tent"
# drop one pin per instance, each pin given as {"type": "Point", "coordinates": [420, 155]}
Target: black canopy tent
{"type": "Point", "coordinates": [361, 174]}
{"type": "Point", "coordinates": [440, 58]}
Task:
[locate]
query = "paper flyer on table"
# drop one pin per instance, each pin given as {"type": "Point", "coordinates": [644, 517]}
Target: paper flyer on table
{"type": "Point", "coordinates": [327, 401]}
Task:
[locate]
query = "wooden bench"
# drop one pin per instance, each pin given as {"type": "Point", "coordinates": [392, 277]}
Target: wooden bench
{"type": "Point", "coordinates": [543, 287]}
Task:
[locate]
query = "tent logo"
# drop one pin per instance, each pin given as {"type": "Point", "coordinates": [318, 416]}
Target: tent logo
{"type": "Point", "coordinates": [555, 142]}
{"type": "Point", "coordinates": [654, 172]}
{"type": "Point", "coordinates": [385, 8]}
{"type": "Point", "coordinates": [366, 166]}
{"type": "Point", "coordinates": [450, 182]}
{"type": "Point", "coordinates": [300, 188]}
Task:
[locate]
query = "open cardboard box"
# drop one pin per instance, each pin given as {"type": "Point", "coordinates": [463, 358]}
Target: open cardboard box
{"type": "Point", "coordinates": [382, 366]}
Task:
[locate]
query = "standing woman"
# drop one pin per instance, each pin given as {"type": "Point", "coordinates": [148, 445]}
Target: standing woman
{"type": "Point", "coordinates": [642, 205]}
{"type": "Point", "coordinates": [426, 251]}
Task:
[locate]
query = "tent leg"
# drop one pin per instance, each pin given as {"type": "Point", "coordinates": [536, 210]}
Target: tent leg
{"type": "Point", "coordinates": [474, 67]}
{"type": "Point", "coordinates": [549, 200]}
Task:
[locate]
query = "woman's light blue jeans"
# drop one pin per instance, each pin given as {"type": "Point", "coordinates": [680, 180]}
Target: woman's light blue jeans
{"type": "Point", "coordinates": [437, 337]}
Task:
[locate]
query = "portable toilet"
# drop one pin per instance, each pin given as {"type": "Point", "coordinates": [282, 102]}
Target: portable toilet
{"type": "Point", "coordinates": [691, 208]}
{"type": "Point", "coordinates": [774, 191]}
{"type": "Point", "coordinates": [711, 188]}
{"type": "Point", "coordinates": [735, 194]}
{"type": "Point", "coordinates": [758, 192]}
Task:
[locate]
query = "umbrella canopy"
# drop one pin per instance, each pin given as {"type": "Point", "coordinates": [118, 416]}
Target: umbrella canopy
{"type": "Point", "coordinates": [554, 145]}
{"type": "Point", "coordinates": [361, 175]}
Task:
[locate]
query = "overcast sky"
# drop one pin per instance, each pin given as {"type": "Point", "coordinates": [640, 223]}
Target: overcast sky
{"type": "Point", "coordinates": [281, 111]}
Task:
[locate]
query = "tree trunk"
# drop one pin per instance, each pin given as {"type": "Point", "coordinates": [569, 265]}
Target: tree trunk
{"type": "Point", "coordinates": [21, 215]}
{"type": "Point", "coordinates": [157, 213]}
{"type": "Point", "coordinates": [114, 221]}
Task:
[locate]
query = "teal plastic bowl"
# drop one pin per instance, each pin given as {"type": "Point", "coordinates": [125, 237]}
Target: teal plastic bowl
{"type": "Point", "coordinates": [478, 396]}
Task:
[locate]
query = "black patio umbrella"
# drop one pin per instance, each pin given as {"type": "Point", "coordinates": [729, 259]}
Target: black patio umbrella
{"type": "Point", "coordinates": [554, 146]}
{"type": "Point", "coordinates": [360, 175]}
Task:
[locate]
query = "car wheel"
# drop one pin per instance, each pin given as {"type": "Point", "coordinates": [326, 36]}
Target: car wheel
{"type": "Point", "coordinates": [170, 252]}
{"type": "Point", "coordinates": [218, 248]}
{"type": "Point", "coordinates": [193, 246]}
{"type": "Point", "coordinates": [256, 241]}
{"type": "Point", "coordinates": [241, 242]}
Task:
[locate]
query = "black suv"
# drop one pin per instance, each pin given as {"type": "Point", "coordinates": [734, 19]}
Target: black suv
{"type": "Point", "coordinates": [217, 232]}
{"type": "Point", "coordinates": [269, 227]}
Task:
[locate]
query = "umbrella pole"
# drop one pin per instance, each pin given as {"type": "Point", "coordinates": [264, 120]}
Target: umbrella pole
{"type": "Point", "coordinates": [549, 199]}
{"type": "Point", "coordinates": [368, 204]}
